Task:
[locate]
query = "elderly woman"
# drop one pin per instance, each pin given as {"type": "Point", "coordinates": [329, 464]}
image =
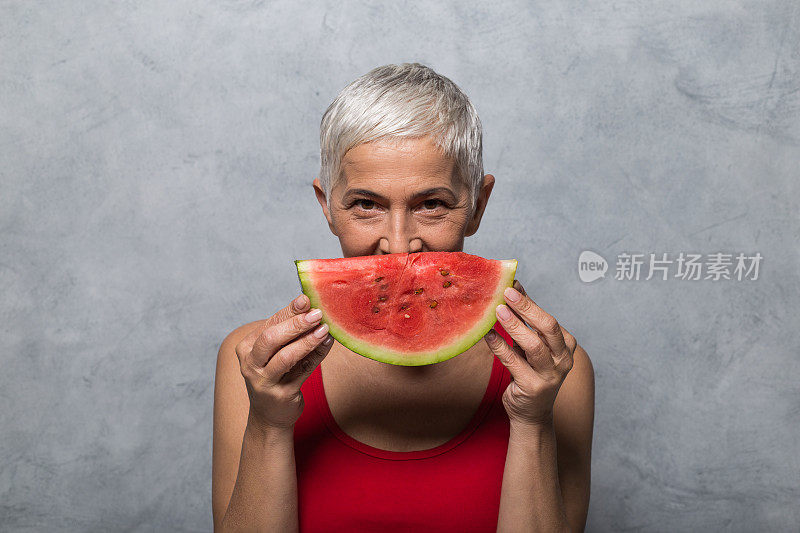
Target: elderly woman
{"type": "Point", "coordinates": [496, 439]}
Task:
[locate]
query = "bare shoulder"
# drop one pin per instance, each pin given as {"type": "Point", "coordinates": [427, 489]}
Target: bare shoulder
{"type": "Point", "coordinates": [574, 404]}
{"type": "Point", "coordinates": [230, 392]}
{"type": "Point", "coordinates": [582, 373]}
{"type": "Point", "coordinates": [235, 337]}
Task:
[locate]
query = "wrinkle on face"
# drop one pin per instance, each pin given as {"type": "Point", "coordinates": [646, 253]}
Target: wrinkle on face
{"type": "Point", "coordinates": [396, 172]}
{"type": "Point", "coordinates": [408, 157]}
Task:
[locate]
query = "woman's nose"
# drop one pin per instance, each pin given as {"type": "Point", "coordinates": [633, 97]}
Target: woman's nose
{"type": "Point", "coordinates": [399, 235]}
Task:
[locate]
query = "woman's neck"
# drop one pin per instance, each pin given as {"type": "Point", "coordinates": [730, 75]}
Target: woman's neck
{"type": "Point", "coordinates": [371, 375]}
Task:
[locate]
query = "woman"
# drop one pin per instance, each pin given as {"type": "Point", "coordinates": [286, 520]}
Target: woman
{"type": "Point", "coordinates": [390, 448]}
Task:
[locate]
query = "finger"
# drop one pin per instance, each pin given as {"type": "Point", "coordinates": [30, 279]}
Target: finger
{"type": "Point", "coordinates": [565, 360]}
{"type": "Point", "coordinates": [537, 318]}
{"type": "Point", "coordinates": [289, 355]}
{"type": "Point", "coordinates": [569, 340]}
{"type": "Point", "coordinates": [511, 358]}
{"type": "Point", "coordinates": [303, 368]}
{"type": "Point", "coordinates": [537, 353]}
{"type": "Point", "coordinates": [245, 346]}
{"type": "Point", "coordinates": [301, 304]}
{"type": "Point", "coordinates": [278, 335]}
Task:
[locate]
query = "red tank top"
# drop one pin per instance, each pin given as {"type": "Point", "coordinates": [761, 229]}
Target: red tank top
{"type": "Point", "coordinates": [348, 486]}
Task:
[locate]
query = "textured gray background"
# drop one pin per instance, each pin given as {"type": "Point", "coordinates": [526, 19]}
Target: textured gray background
{"type": "Point", "coordinates": [156, 161]}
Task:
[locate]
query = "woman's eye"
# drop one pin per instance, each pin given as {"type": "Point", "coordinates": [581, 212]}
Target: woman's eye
{"type": "Point", "coordinates": [364, 204]}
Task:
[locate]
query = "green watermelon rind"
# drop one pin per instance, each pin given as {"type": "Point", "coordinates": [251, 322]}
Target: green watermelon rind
{"type": "Point", "coordinates": [394, 357]}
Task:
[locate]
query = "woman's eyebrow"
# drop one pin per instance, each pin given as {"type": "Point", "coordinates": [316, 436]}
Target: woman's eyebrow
{"type": "Point", "coordinates": [426, 192]}
{"type": "Point", "coordinates": [437, 190]}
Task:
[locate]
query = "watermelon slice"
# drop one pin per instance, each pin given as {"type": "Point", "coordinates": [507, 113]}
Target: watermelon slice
{"type": "Point", "coordinates": [407, 309]}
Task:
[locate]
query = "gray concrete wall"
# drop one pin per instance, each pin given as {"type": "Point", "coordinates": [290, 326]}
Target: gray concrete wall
{"type": "Point", "coordinates": [156, 161]}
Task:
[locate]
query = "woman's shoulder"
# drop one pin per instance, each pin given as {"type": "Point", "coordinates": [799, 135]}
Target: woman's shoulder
{"type": "Point", "coordinates": [238, 334]}
{"type": "Point", "coordinates": [228, 369]}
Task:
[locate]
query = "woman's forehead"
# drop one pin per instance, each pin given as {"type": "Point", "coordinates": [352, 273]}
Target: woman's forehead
{"type": "Point", "coordinates": [414, 162]}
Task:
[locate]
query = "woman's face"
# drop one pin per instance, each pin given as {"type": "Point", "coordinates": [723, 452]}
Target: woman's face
{"type": "Point", "coordinates": [401, 196]}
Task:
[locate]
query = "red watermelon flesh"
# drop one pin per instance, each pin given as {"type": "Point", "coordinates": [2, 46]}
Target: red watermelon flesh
{"type": "Point", "coordinates": [407, 309]}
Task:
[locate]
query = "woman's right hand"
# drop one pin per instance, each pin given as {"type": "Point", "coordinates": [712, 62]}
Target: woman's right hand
{"type": "Point", "coordinates": [276, 360]}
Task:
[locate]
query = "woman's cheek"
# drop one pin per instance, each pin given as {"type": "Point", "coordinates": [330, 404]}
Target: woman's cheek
{"type": "Point", "coordinates": [445, 234]}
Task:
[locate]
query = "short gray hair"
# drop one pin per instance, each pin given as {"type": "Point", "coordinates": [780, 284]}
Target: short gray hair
{"type": "Point", "coordinates": [396, 101]}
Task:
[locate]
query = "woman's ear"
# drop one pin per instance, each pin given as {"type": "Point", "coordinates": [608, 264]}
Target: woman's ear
{"type": "Point", "coordinates": [480, 205]}
{"type": "Point", "coordinates": [320, 194]}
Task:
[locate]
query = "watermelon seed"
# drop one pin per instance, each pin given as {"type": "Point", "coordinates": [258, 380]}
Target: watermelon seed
{"type": "Point", "coordinates": [375, 309]}
{"type": "Point", "coordinates": [446, 284]}
{"type": "Point", "coordinates": [382, 298]}
{"type": "Point", "coordinates": [418, 291]}
{"type": "Point", "coordinates": [445, 272]}
{"type": "Point", "coordinates": [403, 307]}
{"type": "Point", "coordinates": [384, 286]}
{"type": "Point", "coordinates": [378, 280]}
{"type": "Point", "coordinates": [433, 304]}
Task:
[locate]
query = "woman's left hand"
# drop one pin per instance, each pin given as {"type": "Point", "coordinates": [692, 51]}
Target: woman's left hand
{"type": "Point", "coordinates": [539, 360]}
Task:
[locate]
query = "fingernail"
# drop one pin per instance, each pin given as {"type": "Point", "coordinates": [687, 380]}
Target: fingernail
{"type": "Point", "coordinates": [313, 316]}
{"type": "Point", "coordinates": [300, 301]}
{"type": "Point", "coordinates": [503, 313]}
{"type": "Point", "coordinates": [512, 295]}
{"type": "Point", "coordinates": [491, 336]}
{"type": "Point", "coordinates": [321, 331]}
{"type": "Point", "coordinates": [328, 341]}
